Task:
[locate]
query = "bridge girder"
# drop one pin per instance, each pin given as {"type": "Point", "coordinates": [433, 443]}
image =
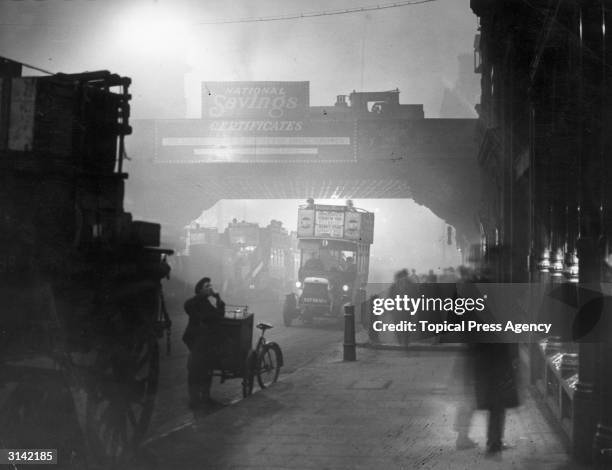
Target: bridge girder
{"type": "Point", "coordinates": [440, 173]}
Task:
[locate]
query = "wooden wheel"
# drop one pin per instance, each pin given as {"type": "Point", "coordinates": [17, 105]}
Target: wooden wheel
{"type": "Point", "coordinates": [121, 396]}
{"type": "Point", "coordinates": [37, 409]}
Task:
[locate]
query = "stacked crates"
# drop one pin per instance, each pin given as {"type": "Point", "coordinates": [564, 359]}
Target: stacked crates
{"type": "Point", "coordinates": [61, 179]}
{"type": "Point", "coordinates": [63, 228]}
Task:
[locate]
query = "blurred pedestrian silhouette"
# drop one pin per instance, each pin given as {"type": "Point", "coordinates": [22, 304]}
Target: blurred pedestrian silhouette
{"type": "Point", "coordinates": [401, 286]}
{"type": "Point", "coordinates": [495, 386]}
{"type": "Point", "coordinates": [463, 376]}
{"type": "Point", "coordinates": [491, 369]}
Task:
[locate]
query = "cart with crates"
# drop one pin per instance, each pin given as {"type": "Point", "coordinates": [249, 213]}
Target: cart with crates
{"type": "Point", "coordinates": [81, 282]}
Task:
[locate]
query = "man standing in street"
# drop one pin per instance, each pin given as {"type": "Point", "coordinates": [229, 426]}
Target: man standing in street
{"type": "Point", "coordinates": [203, 313]}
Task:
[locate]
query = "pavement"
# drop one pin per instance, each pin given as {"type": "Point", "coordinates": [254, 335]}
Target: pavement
{"type": "Point", "coordinates": [390, 409]}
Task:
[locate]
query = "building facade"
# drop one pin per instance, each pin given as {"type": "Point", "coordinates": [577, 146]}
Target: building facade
{"type": "Point", "coordinates": [545, 116]}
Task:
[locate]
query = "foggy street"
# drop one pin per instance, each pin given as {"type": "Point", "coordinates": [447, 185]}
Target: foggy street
{"type": "Point", "coordinates": [334, 234]}
{"type": "Point", "coordinates": [390, 409]}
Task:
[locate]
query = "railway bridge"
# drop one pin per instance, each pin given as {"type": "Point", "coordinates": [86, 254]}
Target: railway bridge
{"type": "Point", "coordinates": [366, 145]}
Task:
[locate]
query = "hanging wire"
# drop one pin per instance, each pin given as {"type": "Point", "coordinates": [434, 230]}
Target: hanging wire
{"type": "Point", "coordinates": [316, 14]}
{"type": "Point", "coordinates": [293, 16]}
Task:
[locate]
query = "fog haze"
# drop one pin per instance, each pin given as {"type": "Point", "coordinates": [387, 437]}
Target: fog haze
{"type": "Point", "coordinates": [170, 47]}
{"type": "Point", "coordinates": [168, 50]}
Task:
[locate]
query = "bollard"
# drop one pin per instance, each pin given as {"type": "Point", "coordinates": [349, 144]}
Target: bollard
{"type": "Point", "coordinates": [349, 333]}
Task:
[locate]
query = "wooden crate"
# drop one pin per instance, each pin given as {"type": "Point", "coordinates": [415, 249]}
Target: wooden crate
{"type": "Point", "coordinates": [145, 233]}
{"type": "Point", "coordinates": [60, 120]}
{"type": "Point", "coordinates": [233, 341]}
{"type": "Point", "coordinates": [101, 193]}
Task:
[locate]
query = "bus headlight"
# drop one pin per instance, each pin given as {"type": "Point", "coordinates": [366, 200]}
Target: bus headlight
{"type": "Point", "coordinates": [345, 288]}
{"type": "Point", "coordinates": [298, 284]}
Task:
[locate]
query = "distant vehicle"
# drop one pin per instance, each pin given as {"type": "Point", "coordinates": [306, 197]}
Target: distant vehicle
{"type": "Point", "coordinates": [334, 244]}
{"type": "Point", "coordinates": [247, 260]}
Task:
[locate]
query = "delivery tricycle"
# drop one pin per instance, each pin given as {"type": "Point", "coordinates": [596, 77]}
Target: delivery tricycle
{"type": "Point", "coordinates": [234, 355]}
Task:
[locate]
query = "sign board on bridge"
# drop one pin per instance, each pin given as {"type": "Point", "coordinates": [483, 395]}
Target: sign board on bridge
{"type": "Point", "coordinates": [287, 101]}
{"type": "Point", "coordinates": [246, 122]}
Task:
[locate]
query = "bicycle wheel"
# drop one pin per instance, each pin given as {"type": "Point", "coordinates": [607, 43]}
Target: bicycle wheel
{"type": "Point", "coordinates": [268, 365]}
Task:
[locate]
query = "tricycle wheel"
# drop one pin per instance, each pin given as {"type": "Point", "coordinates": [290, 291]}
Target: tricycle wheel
{"type": "Point", "coordinates": [248, 378]}
{"type": "Point", "coordinates": [268, 365]}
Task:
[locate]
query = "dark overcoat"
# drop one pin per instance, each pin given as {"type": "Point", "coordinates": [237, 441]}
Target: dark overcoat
{"type": "Point", "coordinates": [202, 315]}
{"type": "Point", "coordinates": [495, 368]}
